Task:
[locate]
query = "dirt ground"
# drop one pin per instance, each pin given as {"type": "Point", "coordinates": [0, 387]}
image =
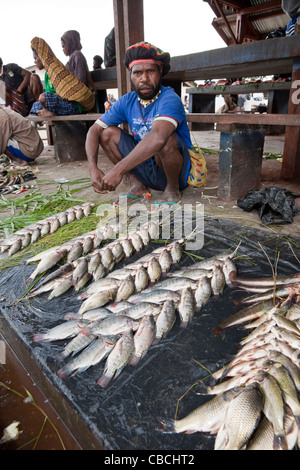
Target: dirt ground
{"type": "Point", "coordinates": [47, 168]}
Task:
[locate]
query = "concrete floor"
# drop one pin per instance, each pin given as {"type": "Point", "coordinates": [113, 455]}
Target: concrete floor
{"type": "Point", "coordinates": [47, 168]}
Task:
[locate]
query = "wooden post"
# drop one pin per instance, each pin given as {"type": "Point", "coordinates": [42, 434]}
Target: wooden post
{"type": "Point", "coordinates": [129, 29]}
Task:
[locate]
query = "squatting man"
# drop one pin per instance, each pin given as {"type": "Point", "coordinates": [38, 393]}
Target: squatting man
{"type": "Point", "coordinates": [157, 153]}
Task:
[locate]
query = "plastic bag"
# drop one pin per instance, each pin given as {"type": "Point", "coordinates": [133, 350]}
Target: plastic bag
{"type": "Point", "coordinates": [275, 205]}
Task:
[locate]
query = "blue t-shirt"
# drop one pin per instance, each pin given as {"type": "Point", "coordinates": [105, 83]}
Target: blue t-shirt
{"type": "Point", "coordinates": [168, 105]}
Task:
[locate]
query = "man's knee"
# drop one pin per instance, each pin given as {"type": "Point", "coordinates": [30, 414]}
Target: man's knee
{"type": "Point", "coordinates": [110, 135]}
{"type": "Point", "coordinates": [42, 99]}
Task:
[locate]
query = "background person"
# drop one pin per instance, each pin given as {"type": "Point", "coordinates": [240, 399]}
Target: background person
{"type": "Point", "coordinates": [18, 93]}
{"type": "Point", "coordinates": [19, 140]}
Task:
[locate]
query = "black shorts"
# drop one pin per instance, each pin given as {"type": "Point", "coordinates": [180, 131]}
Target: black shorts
{"type": "Point", "coordinates": [148, 172]}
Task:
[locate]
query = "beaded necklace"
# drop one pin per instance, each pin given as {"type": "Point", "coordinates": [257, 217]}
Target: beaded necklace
{"type": "Point", "coordinates": [146, 103]}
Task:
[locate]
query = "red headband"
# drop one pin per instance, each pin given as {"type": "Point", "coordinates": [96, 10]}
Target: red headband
{"type": "Point", "coordinates": [144, 61]}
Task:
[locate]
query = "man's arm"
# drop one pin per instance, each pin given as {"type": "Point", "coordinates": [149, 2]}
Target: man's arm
{"type": "Point", "coordinates": [92, 147]}
{"type": "Point", "coordinates": [26, 74]}
{"type": "Point", "coordinates": [151, 144]}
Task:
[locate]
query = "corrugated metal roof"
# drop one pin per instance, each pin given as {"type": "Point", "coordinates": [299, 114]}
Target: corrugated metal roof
{"type": "Point", "coordinates": [260, 21]}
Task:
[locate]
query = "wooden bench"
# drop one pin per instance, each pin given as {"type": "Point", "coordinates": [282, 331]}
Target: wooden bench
{"type": "Point", "coordinates": [202, 99]}
{"type": "Point", "coordinates": [67, 134]}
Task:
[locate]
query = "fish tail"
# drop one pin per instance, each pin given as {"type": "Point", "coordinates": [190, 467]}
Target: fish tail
{"type": "Point", "coordinates": [183, 324]}
{"type": "Point", "coordinates": [167, 426]}
{"type": "Point", "coordinates": [201, 389]}
{"type": "Point", "coordinates": [134, 360]}
{"type": "Point", "coordinates": [104, 380]}
{"type": "Point", "coordinates": [64, 371]}
{"type": "Point", "coordinates": [280, 442]}
{"type": "Point", "coordinates": [39, 337]}
{"type": "Point", "coordinates": [60, 357]}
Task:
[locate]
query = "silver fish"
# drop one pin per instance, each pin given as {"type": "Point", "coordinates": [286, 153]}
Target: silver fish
{"type": "Point", "coordinates": [87, 208]}
{"type": "Point", "coordinates": [47, 262]}
{"type": "Point", "coordinates": [111, 325]}
{"type": "Point", "coordinates": [165, 320]}
{"type": "Point", "coordinates": [136, 241]}
{"type": "Point", "coordinates": [70, 215]}
{"type": "Point", "coordinates": [288, 388]}
{"type": "Point", "coordinates": [141, 279]}
{"type": "Point", "coordinates": [263, 437]}
{"type": "Point", "coordinates": [54, 225]}
{"type": "Point", "coordinates": [117, 251]}
{"type": "Point", "coordinates": [35, 235]}
{"type": "Point", "coordinates": [63, 219]}
{"type": "Point", "coordinates": [154, 270]}
{"type": "Point", "coordinates": [242, 416]}
{"type": "Point", "coordinates": [174, 284]}
{"type": "Point", "coordinates": [143, 338]}
{"type": "Point", "coordinates": [127, 247]}
{"type": "Point", "coordinates": [206, 418]}
{"type": "Point", "coordinates": [82, 281]}
{"type": "Point", "coordinates": [99, 272]}
{"type": "Point", "coordinates": [273, 408]}
{"type": "Point", "coordinates": [61, 331]}
{"type": "Point", "coordinates": [26, 240]}
{"type": "Point", "coordinates": [94, 262]}
{"type": "Point", "coordinates": [62, 285]}
{"type": "Point", "coordinates": [202, 292]}
{"type": "Point", "coordinates": [75, 252]}
{"type": "Point", "coordinates": [176, 252]}
{"type": "Point", "coordinates": [100, 286]}
{"type": "Point", "coordinates": [45, 228]}
{"type": "Point", "coordinates": [117, 359]}
{"type": "Point", "coordinates": [107, 258]}
{"type": "Point", "coordinates": [186, 307]}
{"type": "Point", "coordinates": [138, 311]}
{"type": "Point", "coordinates": [99, 299]}
{"type": "Point", "coordinates": [286, 336]}
{"type": "Point", "coordinates": [217, 281]}
{"type": "Point", "coordinates": [92, 355]}
{"type": "Point", "coordinates": [125, 289]}
{"type": "Point", "coordinates": [98, 237]}
{"type": "Point", "coordinates": [79, 214]}
{"type": "Point", "coordinates": [78, 343]}
{"type": "Point", "coordinates": [87, 245]}
{"type": "Point", "coordinates": [157, 296]}
{"type": "Point", "coordinates": [80, 270]}
{"type": "Point", "coordinates": [165, 260]}
{"type": "Point", "coordinates": [16, 246]}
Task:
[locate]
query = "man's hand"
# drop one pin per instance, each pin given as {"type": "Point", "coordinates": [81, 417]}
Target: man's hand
{"type": "Point", "coordinates": [96, 179]}
{"type": "Point", "coordinates": [112, 179]}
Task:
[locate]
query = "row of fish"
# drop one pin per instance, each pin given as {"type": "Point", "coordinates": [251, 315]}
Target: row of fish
{"type": "Point", "coordinates": [30, 234]}
{"type": "Point", "coordinates": [256, 396]}
{"type": "Point", "coordinates": [122, 330]}
{"type": "Point", "coordinates": [85, 260]}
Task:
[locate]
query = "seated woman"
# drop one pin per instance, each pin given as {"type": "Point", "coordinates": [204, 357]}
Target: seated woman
{"type": "Point", "coordinates": [51, 102]}
{"type": "Point", "coordinates": [19, 95]}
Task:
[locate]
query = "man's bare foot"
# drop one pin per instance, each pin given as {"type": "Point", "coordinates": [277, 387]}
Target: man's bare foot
{"type": "Point", "coordinates": [18, 162]}
{"type": "Point", "coordinates": [45, 113]}
{"type": "Point", "coordinates": [137, 189]}
{"type": "Point", "coordinates": [170, 196]}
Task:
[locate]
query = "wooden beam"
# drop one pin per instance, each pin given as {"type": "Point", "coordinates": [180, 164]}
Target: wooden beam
{"type": "Point", "coordinates": [129, 29]}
